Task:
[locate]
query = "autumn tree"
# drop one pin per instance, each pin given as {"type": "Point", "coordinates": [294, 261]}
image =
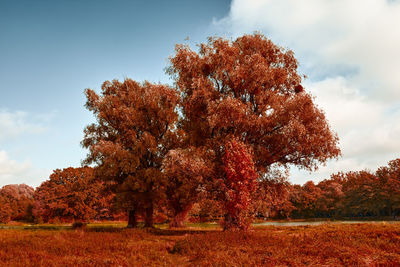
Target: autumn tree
{"type": "Point", "coordinates": [330, 202]}
{"type": "Point", "coordinates": [16, 202]}
{"type": "Point", "coordinates": [272, 198]}
{"type": "Point", "coordinates": [187, 173]}
{"type": "Point", "coordinates": [389, 188]}
{"type": "Point", "coordinates": [250, 89]}
{"type": "Point", "coordinates": [70, 194]}
{"type": "Point", "coordinates": [135, 129]}
{"type": "Point", "coordinates": [240, 182]}
{"type": "Point", "coordinates": [360, 195]}
{"type": "Point", "coordinates": [305, 199]}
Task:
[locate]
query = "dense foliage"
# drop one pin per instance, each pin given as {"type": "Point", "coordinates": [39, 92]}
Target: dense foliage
{"type": "Point", "coordinates": [187, 174]}
{"type": "Point", "coordinates": [16, 202]}
{"type": "Point", "coordinates": [72, 194]}
{"type": "Point", "coordinates": [351, 194]}
{"type": "Point", "coordinates": [240, 182]}
{"type": "Point", "coordinates": [135, 129]}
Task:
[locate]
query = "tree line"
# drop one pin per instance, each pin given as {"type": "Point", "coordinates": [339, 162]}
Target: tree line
{"type": "Point", "coordinates": [74, 194]}
{"type": "Point", "coordinates": [351, 194]}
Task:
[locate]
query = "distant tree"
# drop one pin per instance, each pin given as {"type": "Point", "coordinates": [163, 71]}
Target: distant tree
{"type": "Point", "coordinates": [272, 198]}
{"type": "Point", "coordinates": [206, 210]}
{"type": "Point", "coordinates": [360, 195]}
{"type": "Point", "coordinates": [16, 202]}
{"type": "Point", "coordinates": [135, 129]}
{"type": "Point", "coordinates": [305, 199]}
{"type": "Point", "coordinates": [249, 89]}
{"type": "Point", "coordinates": [330, 202]}
{"type": "Point", "coordinates": [186, 173]}
{"type": "Point", "coordinates": [71, 194]}
{"type": "Point", "coordinates": [389, 188]}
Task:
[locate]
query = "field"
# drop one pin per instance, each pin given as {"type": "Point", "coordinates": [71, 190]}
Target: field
{"type": "Point", "coordinates": [369, 244]}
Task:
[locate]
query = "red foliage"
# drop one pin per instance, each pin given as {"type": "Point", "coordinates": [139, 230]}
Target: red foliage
{"type": "Point", "coordinates": [351, 194]}
{"type": "Point", "coordinates": [240, 182]}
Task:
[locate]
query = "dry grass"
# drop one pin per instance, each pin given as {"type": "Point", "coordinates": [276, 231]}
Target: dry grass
{"type": "Point", "coordinates": [326, 245]}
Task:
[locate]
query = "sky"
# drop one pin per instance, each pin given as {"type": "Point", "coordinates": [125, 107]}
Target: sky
{"type": "Point", "coordinates": [50, 51]}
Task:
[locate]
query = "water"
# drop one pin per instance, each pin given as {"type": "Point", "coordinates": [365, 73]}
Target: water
{"type": "Point", "coordinates": [317, 223]}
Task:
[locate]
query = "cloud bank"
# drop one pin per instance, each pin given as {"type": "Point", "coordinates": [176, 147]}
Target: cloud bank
{"type": "Point", "coordinates": [13, 172]}
{"type": "Point", "coordinates": [349, 50]}
{"type": "Point", "coordinates": [17, 127]}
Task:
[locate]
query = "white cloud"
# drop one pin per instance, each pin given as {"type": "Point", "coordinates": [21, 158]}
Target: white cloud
{"type": "Point", "coordinates": [13, 172]}
{"type": "Point", "coordinates": [350, 51]}
{"type": "Point", "coordinates": [343, 33]}
{"type": "Point", "coordinates": [16, 128]}
{"type": "Point", "coordinates": [13, 124]}
{"type": "Point", "coordinates": [367, 128]}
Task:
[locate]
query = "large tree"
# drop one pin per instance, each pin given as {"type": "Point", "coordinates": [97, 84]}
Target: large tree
{"type": "Point", "coordinates": [250, 89]}
{"type": "Point", "coordinates": [135, 128]}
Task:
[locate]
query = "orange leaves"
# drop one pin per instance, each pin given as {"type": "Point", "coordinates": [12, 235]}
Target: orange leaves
{"type": "Point", "coordinates": [351, 194]}
{"type": "Point", "coordinates": [250, 88]}
{"type": "Point", "coordinates": [71, 194]}
{"type": "Point", "coordinates": [229, 113]}
{"type": "Point", "coordinates": [136, 126]}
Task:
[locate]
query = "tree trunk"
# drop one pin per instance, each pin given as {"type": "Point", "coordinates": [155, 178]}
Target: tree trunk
{"type": "Point", "coordinates": [132, 223]}
{"type": "Point", "coordinates": [179, 218]}
{"type": "Point", "coordinates": [148, 216]}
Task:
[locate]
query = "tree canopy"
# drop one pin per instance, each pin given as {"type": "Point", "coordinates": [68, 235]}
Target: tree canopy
{"type": "Point", "coordinates": [71, 194]}
{"type": "Point", "coordinates": [135, 129]}
{"type": "Point", "coordinates": [249, 89]}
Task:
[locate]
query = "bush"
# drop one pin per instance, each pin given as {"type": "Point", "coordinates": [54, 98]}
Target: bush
{"type": "Point", "coordinates": [79, 225]}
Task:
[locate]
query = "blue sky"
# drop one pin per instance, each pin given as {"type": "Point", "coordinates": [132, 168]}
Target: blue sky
{"type": "Point", "coordinates": [50, 51]}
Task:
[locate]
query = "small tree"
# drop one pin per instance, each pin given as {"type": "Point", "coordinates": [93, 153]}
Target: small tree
{"type": "Point", "coordinates": [70, 194]}
{"type": "Point", "coordinates": [241, 181]}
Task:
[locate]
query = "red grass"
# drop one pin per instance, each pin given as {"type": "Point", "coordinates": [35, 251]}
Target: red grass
{"type": "Point", "coordinates": [329, 245]}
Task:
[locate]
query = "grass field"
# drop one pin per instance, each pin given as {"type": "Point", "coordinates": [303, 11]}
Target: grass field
{"type": "Point", "coordinates": [111, 245]}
